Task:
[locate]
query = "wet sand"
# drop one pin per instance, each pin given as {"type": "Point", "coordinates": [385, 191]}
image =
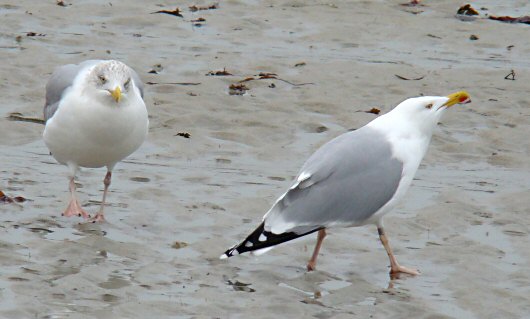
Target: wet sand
{"type": "Point", "coordinates": [177, 204]}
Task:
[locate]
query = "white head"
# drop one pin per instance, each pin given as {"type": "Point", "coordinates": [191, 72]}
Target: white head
{"type": "Point", "coordinates": [111, 81]}
{"type": "Point", "coordinates": [425, 111]}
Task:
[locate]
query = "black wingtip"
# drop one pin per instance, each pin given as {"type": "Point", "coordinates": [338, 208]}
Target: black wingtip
{"type": "Point", "coordinates": [260, 239]}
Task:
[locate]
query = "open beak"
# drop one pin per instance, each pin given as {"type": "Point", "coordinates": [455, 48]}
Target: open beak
{"type": "Point", "coordinates": [116, 94]}
{"type": "Point", "coordinates": [457, 98]}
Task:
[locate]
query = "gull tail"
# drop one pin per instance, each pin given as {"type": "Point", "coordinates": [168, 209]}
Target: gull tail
{"type": "Point", "coordinates": [261, 241]}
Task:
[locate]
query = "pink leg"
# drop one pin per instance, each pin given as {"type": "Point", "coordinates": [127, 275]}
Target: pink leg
{"type": "Point", "coordinates": [312, 264]}
{"type": "Point", "coordinates": [99, 216]}
{"type": "Point", "coordinates": [395, 267]}
{"type": "Point", "coordinates": [74, 208]}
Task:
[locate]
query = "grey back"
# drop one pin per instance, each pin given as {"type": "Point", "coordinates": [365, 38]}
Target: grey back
{"type": "Point", "coordinates": [351, 178]}
{"type": "Point", "coordinates": [62, 78]}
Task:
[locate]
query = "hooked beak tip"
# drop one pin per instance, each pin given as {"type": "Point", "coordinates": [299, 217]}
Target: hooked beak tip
{"type": "Point", "coordinates": [461, 97]}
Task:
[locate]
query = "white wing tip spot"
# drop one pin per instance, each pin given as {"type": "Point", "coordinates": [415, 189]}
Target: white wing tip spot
{"type": "Point", "coordinates": [262, 237]}
{"type": "Point", "coordinates": [303, 176]}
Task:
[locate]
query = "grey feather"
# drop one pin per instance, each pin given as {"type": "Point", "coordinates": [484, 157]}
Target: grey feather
{"type": "Point", "coordinates": [137, 82]}
{"type": "Point", "coordinates": [64, 76]}
{"type": "Point", "coordinates": [349, 179]}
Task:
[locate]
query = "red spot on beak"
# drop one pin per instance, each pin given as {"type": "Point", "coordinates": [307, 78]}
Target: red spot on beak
{"type": "Point", "coordinates": [464, 99]}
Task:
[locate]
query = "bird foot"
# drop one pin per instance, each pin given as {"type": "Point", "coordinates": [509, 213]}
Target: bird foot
{"type": "Point", "coordinates": [75, 209]}
{"type": "Point", "coordinates": [311, 266]}
{"type": "Point", "coordinates": [398, 269]}
{"type": "Point", "coordinates": [98, 218]}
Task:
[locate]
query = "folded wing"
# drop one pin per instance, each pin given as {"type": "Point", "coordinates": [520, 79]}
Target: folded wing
{"type": "Point", "coordinates": [343, 183]}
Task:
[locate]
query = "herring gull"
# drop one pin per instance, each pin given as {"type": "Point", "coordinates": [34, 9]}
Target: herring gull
{"type": "Point", "coordinates": [95, 116]}
{"type": "Point", "coordinates": [354, 180]}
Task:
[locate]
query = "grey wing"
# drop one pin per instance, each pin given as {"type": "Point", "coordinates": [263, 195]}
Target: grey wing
{"type": "Point", "coordinates": [138, 82]}
{"type": "Point", "coordinates": [62, 78]}
{"type": "Point", "coordinates": [345, 182]}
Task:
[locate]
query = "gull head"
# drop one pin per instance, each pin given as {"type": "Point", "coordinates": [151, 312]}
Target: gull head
{"type": "Point", "coordinates": [426, 111]}
{"type": "Point", "coordinates": [111, 81]}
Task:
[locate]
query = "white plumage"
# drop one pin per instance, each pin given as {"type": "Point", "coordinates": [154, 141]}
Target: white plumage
{"type": "Point", "coordinates": [95, 116]}
{"type": "Point", "coordinates": [354, 179]}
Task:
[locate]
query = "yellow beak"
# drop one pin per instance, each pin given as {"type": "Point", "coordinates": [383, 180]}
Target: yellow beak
{"type": "Point", "coordinates": [116, 94]}
{"type": "Point", "coordinates": [457, 98]}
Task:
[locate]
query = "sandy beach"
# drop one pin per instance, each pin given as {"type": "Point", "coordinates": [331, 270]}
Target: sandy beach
{"type": "Point", "coordinates": [177, 203]}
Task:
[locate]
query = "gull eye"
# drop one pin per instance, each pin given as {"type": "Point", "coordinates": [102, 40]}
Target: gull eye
{"type": "Point", "coordinates": [102, 79]}
{"type": "Point", "coordinates": [127, 83]}
{"type": "Point", "coordinates": [428, 106]}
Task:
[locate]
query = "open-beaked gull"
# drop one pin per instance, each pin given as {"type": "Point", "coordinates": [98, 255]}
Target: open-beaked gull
{"type": "Point", "coordinates": [95, 116]}
{"type": "Point", "coordinates": [354, 180]}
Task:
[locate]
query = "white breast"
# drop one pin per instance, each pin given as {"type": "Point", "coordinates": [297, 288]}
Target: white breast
{"type": "Point", "coordinates": [409, 145]}
{"type": "Point", "coordinates": [91, 134]}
